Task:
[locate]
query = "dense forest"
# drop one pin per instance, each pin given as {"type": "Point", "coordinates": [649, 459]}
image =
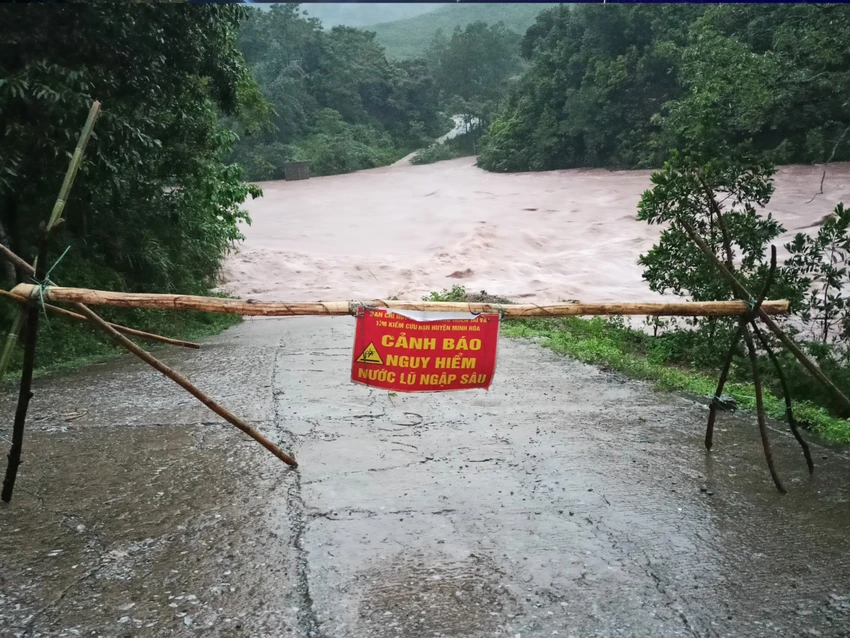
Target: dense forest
{"type": "Point", "coordinates": [624, 85]}
{"type": "Point", "coordinates": [336, 101]}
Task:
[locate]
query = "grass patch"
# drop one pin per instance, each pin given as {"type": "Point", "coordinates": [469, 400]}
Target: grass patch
{"type": "Point", "coordinates": [66, 345]}
{"type": "Point", "coordinates": [665, 360]}
{"type": "Point", "coordinates": [614, 346]}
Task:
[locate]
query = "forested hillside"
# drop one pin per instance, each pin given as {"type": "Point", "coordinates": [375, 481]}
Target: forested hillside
{"type": "Point", "coordinates": [410, 38]}
{"type": "Point", "coordinates": [623, 85]}
{"type": "Point", "coordinates": [337, 101]}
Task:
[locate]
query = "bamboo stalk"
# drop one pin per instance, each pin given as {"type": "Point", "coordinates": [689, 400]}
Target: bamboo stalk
{"type": "Point", "coordinates": [741, 291]}
{"type": "Point", "coordinates": [123, 329]}
{"type": "Point", "coordinates": [765, 441]}
{"type": "Point", "coordinates": [25, 392]}
{"type": "Point", "coordinates": [74, 166]}
{"type": "Point", "coordinates": [335, 308]}
{"type": "Point", "coordinates": [724, 374]}
{"type": "Point", "coordinates": [11, 339]}
{"type": "Point", "coordinates": [721, 383]}
{"type": "Point", "coordinates": [187, 385]}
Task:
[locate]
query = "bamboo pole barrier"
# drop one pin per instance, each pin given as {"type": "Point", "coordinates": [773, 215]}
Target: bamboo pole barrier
{"type": "Point", "coordinates": [741, 290]}
{"type": "Point", "coordinates": [123, 329]}
{"type": "Point", "coordinates": [26, 268]}
{"type": "Point", "coordinates": [187, 385]}
{"type": "Point", "coordinates": [32, 312]}
{"type": "Point", "coordinates": [336, 308]}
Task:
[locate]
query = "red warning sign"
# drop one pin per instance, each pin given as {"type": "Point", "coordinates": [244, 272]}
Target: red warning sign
{"type": "Point", "coordinates": [424, 352]}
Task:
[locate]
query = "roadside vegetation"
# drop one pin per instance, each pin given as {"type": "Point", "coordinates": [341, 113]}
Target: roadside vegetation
{"type": "Point", "coordinates": [674, 361]}
{"type": "Point", "coordinates": [155, 206]}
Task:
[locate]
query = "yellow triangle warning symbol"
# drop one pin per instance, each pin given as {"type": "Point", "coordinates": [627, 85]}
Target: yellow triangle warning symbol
{"type": "Point", "coordinates": [370, 355]}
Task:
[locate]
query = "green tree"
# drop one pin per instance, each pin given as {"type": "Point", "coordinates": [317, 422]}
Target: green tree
{"type": "Point", "coordinates": [473, 67]}
{"type": "Point", "coordinates": [719, 200]}
{"type": "Point", "coordinates": [154, 207]}
{"type": "Point", "coordinates": [597, 76]}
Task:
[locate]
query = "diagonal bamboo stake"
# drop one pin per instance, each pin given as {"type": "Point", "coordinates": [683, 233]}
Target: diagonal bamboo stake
{"type": "Point", "coordinates": [123, 329]}
{"type": "Point", "coordinates": [765, 441]}
{"type": "Point", "coordinates": [786, 393]}
{"type": "Point", "coordinates": [32, 313]}
{"type": "Point", "coordinates": [741, 290]}
{"type": "Point", "coordinates": [187, 385]}
{"type": "Point", "coordinates": [17, 261]}
{"type": "Point", "coordinates": [25, 267]}
{"type": "Point", "coordinates": [727, 365]}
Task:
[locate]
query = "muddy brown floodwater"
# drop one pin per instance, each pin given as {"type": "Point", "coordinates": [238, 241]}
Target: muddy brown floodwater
{"type": "Point", "coordinates": [407, 230]}
{"type": "Point", "coordinates": [566, 501]}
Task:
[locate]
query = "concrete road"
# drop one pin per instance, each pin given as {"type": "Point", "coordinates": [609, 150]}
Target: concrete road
{"type": "Point", "coordinates": [565, 501]}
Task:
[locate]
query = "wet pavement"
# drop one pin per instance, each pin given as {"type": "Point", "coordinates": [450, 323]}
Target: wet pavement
{"type": "Point", "coordinates": [565, 501]}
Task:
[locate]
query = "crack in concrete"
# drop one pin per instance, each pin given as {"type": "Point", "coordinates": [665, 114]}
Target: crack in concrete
{"type": "Point", "coordinates": [427, 459]}
{"type": "Point", "coordinates": [306, 615]}
{"type": "Point", "coordinates": [340, 515]}
{"type": "Point", "coordinates": [671, 600]}
{"type": "Point", "coordinates": [307, 620]}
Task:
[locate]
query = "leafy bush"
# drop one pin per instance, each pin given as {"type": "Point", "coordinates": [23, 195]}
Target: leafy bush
{"type": "Point", "coordinates": [822, 262]}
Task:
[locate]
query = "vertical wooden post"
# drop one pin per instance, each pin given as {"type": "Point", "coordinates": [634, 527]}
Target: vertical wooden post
{"type": "Point", "coordinates": [25, 391]}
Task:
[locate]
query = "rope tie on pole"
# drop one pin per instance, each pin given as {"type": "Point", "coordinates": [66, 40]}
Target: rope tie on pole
{"type": "Point", "coordinates": [46, 283]}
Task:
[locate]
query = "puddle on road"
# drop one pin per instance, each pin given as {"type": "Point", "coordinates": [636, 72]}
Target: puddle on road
{"type": "Point", "coordinates": [143, 531]}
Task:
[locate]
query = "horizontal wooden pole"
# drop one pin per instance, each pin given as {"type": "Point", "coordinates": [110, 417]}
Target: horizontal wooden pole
{"type": "Point", "coordinates": [56, 310]}
{"type": "Point", "coordinates": [335, 308]}
{"type": "Point", "coordinates": [26, 268]}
